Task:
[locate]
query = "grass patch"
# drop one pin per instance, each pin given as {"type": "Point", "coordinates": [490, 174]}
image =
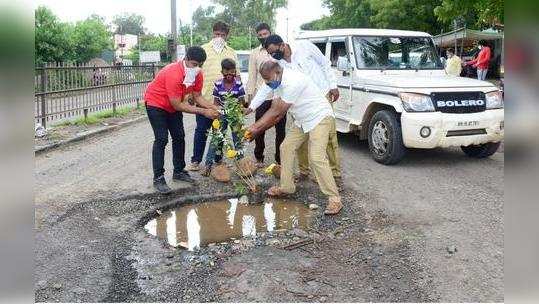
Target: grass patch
{"type": "Point", "coordinates": [97, 117]}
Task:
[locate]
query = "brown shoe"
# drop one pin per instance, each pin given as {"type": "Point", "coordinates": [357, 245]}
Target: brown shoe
{"type": "Point", "coordinates": [334, 206]}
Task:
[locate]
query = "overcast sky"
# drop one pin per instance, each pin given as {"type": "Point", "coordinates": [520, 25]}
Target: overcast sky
{"type": "Point", "coordinates": [157, 12]}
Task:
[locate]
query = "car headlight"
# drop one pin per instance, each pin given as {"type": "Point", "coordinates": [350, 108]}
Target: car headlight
{"type": "Point", "coordinates": [413, 102]}
{"type": "Point", "coordinates": [494, 100]}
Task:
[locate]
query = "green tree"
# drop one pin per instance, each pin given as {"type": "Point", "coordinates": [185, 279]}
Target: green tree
{"type": "Point", "coordinates": [128, 23]}
{"type": "Point", "coordinates": [242, 16]}
{"type": "Point", "coordinates": [396, 14]}
{"type": "Point", "coordinates": [480, 13]}
{"type": "Point", "coordinates": [90, 38]}
{"type": "Point", "coordinates": [53, 41]}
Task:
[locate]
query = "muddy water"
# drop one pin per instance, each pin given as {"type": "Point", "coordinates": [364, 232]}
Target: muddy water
{"type": "Point", "coordinates": [192, 226]}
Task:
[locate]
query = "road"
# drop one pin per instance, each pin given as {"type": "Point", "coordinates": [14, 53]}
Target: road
{"type": "Point", "coordinates": [407, 219]}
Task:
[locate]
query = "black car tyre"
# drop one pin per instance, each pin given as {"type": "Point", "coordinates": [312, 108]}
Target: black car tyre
{"type": "Point", "coordinates": [385, 138]}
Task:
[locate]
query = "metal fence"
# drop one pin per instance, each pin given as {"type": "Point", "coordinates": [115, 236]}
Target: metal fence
{"type": "Point", "coordinates": [64, 91]}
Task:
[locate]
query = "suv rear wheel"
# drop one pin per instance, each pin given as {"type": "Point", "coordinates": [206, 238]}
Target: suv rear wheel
{"type": "Point", "coordinates": [481, 151]}
{"type": "Point", "coordinates": [385, 138]}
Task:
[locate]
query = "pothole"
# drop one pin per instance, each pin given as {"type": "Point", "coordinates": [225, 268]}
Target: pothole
{"type": "Point", "coordinates": [192, 226]}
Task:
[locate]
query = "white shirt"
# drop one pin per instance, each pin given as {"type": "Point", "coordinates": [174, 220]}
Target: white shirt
{"type": "Point", "coordinates": [307, 58]}
{"type": "Point", "coordinates": [308, 105]}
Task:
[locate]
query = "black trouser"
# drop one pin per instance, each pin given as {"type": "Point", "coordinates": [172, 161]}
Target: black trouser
{"type": "Point", "coordinates": [163, 123]}
{"type": "Point", "coordinates": [280, 130]}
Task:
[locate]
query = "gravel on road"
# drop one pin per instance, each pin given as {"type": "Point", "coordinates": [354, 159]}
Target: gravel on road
{"type": "Point", "coordinates": [427, 229]}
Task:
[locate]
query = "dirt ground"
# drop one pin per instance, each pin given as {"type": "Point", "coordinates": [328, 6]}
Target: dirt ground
{"type": "Point", "coordinates": [427, 229]}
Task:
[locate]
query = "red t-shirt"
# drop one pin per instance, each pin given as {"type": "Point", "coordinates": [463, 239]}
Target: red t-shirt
{"type": "Point", "coordinates": [482, 60]}
{"type": "Point", "coordinates": [168, 84]}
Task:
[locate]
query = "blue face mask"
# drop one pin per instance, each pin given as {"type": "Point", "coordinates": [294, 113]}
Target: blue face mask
{"type": "Point", "coordinates": [274, 84]}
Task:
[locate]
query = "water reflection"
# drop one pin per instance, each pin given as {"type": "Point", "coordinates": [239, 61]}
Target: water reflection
{"type": "Point", "coordinates": [195, 225]}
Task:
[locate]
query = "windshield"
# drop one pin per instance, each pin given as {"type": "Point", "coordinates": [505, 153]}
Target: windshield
{"type": "Point", "coordinates": [396, 53]}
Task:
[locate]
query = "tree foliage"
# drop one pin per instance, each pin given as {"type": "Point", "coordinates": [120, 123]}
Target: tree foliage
{"type": "Point", "coordinates": [128, 23]}
{"type": "Point", "coordinates": [242, 16]}
{"type": "Point", "coordinates": [481, 13]}
{"type": "Point", "coordinates": [57, 41]}
{"type": "Point", "coordinates": [90, 38]}
{"type": "Point", "coordinates": [422, 15]}
{"type": "Point", "coordinates": [52, 38]}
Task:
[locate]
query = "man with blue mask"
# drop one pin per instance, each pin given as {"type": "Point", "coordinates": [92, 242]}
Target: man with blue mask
{"type": "Point", "coordinates": [313, 120]}
{"type": "Point", "coordinates": [304, 56]}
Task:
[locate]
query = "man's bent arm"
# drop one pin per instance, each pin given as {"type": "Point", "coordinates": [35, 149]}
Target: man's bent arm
{"type": "Point", "coordinates": [201, 101]}
{"type": "Point", "coordinates": [185, 107]}
{"type": "Point", "coordinates": [260, 97]}
{"type": "Point", "coordinates": [274, 114]}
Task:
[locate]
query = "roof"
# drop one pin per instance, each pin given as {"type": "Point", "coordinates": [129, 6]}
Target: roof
{"type": "Point", "coordinates": [469, 35]}
{"type": "Point", "coordinates": [360, 32]}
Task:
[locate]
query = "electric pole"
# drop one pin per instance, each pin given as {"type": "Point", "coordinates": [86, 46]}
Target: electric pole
{"type": "Point", "coordinates": [173, 30]}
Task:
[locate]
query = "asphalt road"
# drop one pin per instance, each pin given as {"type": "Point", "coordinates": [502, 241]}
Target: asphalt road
{"type": "Point", "coordinates": [433, 202]}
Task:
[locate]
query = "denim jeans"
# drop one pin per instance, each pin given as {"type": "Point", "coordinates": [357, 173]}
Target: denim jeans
{"type": "Point", "coordinates": [212, 156]}
{"type": "Point", "coordinates": [163, 123]}
{"type": "Point", "coordinates": [482, 74]}
{"type": "Point", "coordinates": [201, 135]}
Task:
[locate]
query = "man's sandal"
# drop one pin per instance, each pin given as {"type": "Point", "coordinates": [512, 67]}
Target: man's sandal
{"type": "Point", "coordinates": [276, 191]}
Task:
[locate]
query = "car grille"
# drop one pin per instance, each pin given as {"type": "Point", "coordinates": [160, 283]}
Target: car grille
{"type": "Point", "coordinates": [459, 102]}
{"type": "Point", "coordinates": [466, 132]}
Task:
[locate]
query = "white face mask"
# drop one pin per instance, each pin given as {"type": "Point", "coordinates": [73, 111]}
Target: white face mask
{"type": "Point", "coordinates": [190, 75]}
{"type": "Point", "coordinates": [218, 43]}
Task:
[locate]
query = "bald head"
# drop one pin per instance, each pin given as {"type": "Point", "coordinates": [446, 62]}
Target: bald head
{"type": "Point", "coordinates": [268, 69]}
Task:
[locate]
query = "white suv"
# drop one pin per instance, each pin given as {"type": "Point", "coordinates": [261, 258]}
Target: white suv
{"type": "Point", "coordinates": [395, 93]}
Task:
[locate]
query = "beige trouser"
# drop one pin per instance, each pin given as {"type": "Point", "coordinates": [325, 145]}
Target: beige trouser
{"type": "Point", "coordinates": [332, 152]}
{"type": "Point", "coordinates": [317, 142]}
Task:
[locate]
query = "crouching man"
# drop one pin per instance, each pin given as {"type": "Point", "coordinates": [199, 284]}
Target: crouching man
{"type": "Point", "coordinates": [313, 119]}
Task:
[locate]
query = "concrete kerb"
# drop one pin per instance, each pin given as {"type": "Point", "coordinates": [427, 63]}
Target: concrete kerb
{"type": "Point", "coordinates": [86, 135]}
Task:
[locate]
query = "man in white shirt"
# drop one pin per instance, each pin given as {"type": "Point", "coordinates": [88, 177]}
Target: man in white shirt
{"type": "Point", "coordinates": [313, 120]}
{"type": "Point", "coordinates": [305, 57]}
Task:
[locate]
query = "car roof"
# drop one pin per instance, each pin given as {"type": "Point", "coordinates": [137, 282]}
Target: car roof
{"type": "Point", "coordinates": [243, 52]}
{"type": "Point", "coordinates": [360, 32]}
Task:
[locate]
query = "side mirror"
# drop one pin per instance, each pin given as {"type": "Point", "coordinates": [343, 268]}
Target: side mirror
{"type": "Point", "coordinates": [343, 64]}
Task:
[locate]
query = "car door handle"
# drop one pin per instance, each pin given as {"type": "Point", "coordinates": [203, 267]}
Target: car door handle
{"type": "Point", "coordinates": [345, 73]}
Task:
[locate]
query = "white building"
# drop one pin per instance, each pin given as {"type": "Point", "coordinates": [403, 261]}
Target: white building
{"type": "Point", "coordinates": [124, 43]}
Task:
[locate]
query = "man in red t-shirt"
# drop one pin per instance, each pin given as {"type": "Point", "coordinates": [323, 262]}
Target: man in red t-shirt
{"type": "Point", "coordinates": [481, 62]}
{"type": "Point", "coordinates": [165, 103]}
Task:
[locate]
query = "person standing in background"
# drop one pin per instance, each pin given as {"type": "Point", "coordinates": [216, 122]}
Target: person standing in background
{"type": "Point", "coordinates": [481, 62]}
{"type": "Point", "coordinates": [258, 56]}
{"type": "Point", "coordinates": [216, 50]}
{"type": "Point", "coordinates": [453, 65]}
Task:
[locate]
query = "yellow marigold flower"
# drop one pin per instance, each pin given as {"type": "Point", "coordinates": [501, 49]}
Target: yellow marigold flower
{"type": "Point", "coordinates": [230, 153]}
{"type": "Point", "coordinates": [269, 169]}
{"type": "Point", "coordinates": [216, 124]}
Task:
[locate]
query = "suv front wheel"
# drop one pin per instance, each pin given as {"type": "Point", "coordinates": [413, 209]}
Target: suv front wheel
{"type": "Point", "coordinates": [481, 151]}
{"type": "Point", "coordinates": [385, 138]}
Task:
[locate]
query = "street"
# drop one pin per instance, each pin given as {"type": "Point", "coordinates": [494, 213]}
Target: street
{"type": "Point", "coordinates": [427, 229]}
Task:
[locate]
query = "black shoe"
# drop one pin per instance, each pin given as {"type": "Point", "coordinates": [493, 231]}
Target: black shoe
{"type": "Point", "coordinates": [160, 184]}
{"type": "Point", "coordinates": [182, 176]}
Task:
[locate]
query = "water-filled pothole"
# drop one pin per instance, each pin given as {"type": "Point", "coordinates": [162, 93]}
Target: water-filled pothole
{"type": "Point", "coordinates": [191, 226]}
